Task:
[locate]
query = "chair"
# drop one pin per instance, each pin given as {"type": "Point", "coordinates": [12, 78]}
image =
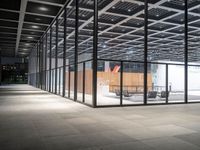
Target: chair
{"type": "Point", "coordinates": [152, 94]}
{"type": "Point", "coordinates": [117, 92]}
{"type": "Point", "coordinates": [126, 93]}
{"type": "Point", "coordinates": [163, 94]}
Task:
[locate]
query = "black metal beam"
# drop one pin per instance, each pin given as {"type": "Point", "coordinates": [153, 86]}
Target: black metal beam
{"type": "Point", "coordinates": [69, 84]}
{"type": "Point", "coordinates": [46, 63]}
{"type": "Point", "coordinates": [145, 49]}
{"type": "Point", "coordinates": [83, 82]}
{"type": "Point", "coordinates": [95, 49]}
{"type": "Point", "coordinates": [166, 83]}
{"type": "Point", "coordinates": [121, 83]}
{"type": "Point", "coordinates": [76, 50]}
{"type": "Point", "coordinates": [56, 57]}
{"type": "Point", "coordinates": [186, 53]}
{"type": "Point", "coordinates": [50, 61]}
{"type": "Point", "coordinates": [64, 50]}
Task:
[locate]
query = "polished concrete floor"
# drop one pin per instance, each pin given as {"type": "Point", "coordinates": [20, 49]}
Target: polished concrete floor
{"type": "Point", "coordinates": [31, 119]}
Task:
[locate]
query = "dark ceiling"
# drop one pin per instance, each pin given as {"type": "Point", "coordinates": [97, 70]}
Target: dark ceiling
{"type": "Point", "coordinates": [121, 28]}
{"type": "Point", "coordinates": [37, 16]}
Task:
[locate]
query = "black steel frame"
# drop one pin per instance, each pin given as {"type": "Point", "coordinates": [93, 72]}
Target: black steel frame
{"type": "Point", "coordinates": [95, 59]}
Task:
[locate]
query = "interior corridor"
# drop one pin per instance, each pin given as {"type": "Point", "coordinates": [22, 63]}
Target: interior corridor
{"type": "Point", "coordinates": [35, 119]}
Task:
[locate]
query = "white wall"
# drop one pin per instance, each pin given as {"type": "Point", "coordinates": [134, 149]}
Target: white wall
{"type": "Point", "coordinates": [193, 78]}
{"type": "Point", "coordinates": [176, 77]}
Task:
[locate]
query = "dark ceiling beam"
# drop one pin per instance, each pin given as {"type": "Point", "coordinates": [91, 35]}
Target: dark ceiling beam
{"type": "Point", "coordinates": [47, 3]}
{"type": "Point", "coordinates": [21, 20]}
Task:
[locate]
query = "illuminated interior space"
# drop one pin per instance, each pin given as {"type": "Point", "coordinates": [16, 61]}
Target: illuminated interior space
{"type": "Point", "coordinates": [120, 52]}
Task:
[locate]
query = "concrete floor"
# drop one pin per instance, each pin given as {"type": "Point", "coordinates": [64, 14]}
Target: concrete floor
{"type": "Point", "coordinates": [31, 119]}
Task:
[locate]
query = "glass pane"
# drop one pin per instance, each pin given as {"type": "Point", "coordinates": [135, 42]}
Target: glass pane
{"type": "Point", "coordinates": [67, 81]}
{"type": "Point", "coordinates": [71, 73]}
{"type": "Point", "coordinates": [61, 81]}
{"type": "Point", "coordinates": [193, 83]}
{"type": "Point", "coordinates": [80, 82]}
{"type": "Point", "coordinates": [133, 83]}
{"type": "Point", "coordinates": [176, 83]}
{"type": "Point", "coordinates": [88, 82]}
{"type": "Point", "coordinates": [166, 31]}
{"type": "Point", "coordinates": [156, 83]}
{"type": "Point", "coordinates": [108, 83]}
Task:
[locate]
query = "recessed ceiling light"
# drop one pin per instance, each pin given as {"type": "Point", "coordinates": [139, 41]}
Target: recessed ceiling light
{"type": "Point", "coordinates": [25, 49]}
{"type": "Point", "coordinates": [112, 19]}
{"type": "Point", "coordinates": [43, 8]}
{"type": "Point", "coordinates": [35, 27]}
{"type": "Point", "coordinates": [157, 15]}
{"type": "Point", "coordinates": [38, 19]}
{"type": "Point", "coordinates": [27, 44]}
{"type": "Point", "coordinates": [129, 10]}
{"type": "Point", "coordinates": [113, 7]}
{"type": "Point", "coordinates": [29, 37]}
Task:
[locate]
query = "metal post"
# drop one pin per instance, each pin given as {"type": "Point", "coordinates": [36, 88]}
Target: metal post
{"type": "Point", "coordinates": [83, 82]}
{"type": "Point", "coordinates": [186, 52]}
{"type": "Point", "coordinates": [69, 84]}
{"type": "Point", "coordinates": [59, 80]}
{"type": "Point", "coordinates": [50, 61]}
{"type": "Point", "coordinates": [95, 48]}
{"type": "Point", "coordinates": [166, 84]}
{"type": "Point", "coordinates": [121, 83]}
{"type": "Point", "coordinates": [45, 70]}
{"type": "Point", "coordinates": [64, 51]}
{"type": "Point", "coordinates": [37, 65]}
{"type": "Point", "coordinates": [0, 69]}
{"type": "Point", "coordinates": [76, 50]}
{"type": "Point", "coordinates": [56, 57]}
{"type": "Point", "coordinates": [145, 49]}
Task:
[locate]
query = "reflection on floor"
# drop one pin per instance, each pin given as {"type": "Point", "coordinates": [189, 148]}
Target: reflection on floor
{"type": "Point", "coordinates": [31, 119]}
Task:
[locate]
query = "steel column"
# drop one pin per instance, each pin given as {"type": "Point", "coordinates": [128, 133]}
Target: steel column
{"type": "Point", "coordinates": [166, 83]}
{"type": "Point", "coordinates": [186, 53]}
{"type": "Point", "coordinates": [95, 48]}
{"type": "Point", "coordinates": [56, 57]}
{"type": "Point", "coordinates": [145, 49]}
{"type": "Point", "coordinates": [64, 51]}
{"type": "Point", "coordinates": [76, 50]}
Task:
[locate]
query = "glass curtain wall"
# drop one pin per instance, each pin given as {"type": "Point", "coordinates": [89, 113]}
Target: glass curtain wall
{"type": "Point", "coordinates": [142, 53]}
{"type": "Point", "coordinates": [60, 53]}
{"type": "Point", "coordinates": [120, 77]}
{"type": "Point", "coordinates": [166, 35]}
{"type": "Point", "coordinates": [48, 62]}
{"type": "Point", "coordinates": [70, 49]}
{"type": "Point", "coordinates": [193, 51]}
{"type": "Point", "coordinates": [85, 50]}
{"type": "Point", "coordinates": [53, 57]}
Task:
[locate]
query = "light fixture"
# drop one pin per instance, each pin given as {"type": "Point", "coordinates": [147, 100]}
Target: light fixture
{"type": "Point", "coordinates": [29, 37]}
{"type": "Point", "coordinates": [35, 27]}
{"type": "Point", "coordinates": [43, 8]}
{"type": "Point", "coordinates": [38, 19]}
{"type": "Point", "coordinates": [104, 45]}
{"type": "Point", "coordinates": [27, 44]}
{"type": "Point", "coordinates": [129, 10]}
{"type": "Point", "coordinates": [113, 7]}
